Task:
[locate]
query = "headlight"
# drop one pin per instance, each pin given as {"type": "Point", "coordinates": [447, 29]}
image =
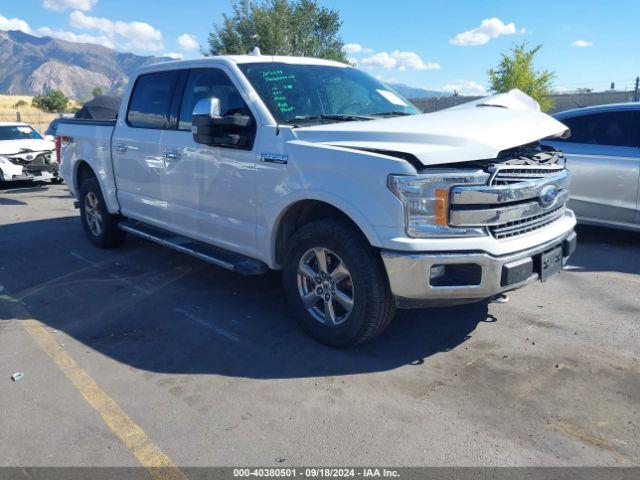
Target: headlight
{"type": "Point", "coordinates": [426, 201]}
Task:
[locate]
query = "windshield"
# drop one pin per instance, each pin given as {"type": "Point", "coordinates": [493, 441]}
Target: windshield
{"type": "Point", "coordinates": [298, 94]}
{"type": "Point", "coordinates": [18, 132]}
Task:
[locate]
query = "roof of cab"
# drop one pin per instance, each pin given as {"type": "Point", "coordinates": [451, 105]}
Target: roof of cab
{"type": "Point", "coordinates": [239, 60]}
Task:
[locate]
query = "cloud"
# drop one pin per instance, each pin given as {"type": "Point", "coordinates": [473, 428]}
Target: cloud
{"type": "Point", "coordinates": [465, 87]}
{"type": "Point", "coordinates": [61, 5]}
{"type": "Point", "coordinates": [353, 61]}
{"type": "Point", "coordinates": [488, 29]}
{"type": "Point", "coordinates": [355, 48]}
{"type": "Point", "coordinates": [582, 43]}
{"type": "Point", "coordinates": [188, 42]}
{"type": "Point", "coordinates": [73, 37]}
{"type": "Point", "coordinates": [23, 26]}
{"type": "Point", "coordinates": [14, 24]}
{"type": "Point", "coordinates": [125, 35]}
{"type": "Point", "coordinates": [175, 56]}
{"type": "Point", "coordinates": [18, 24]}
{"type": "Point", "coordinates": [398, 60]}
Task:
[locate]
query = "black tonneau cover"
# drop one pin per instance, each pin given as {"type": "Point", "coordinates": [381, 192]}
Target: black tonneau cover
{"type": "Point", "coordinates": [100, 108]}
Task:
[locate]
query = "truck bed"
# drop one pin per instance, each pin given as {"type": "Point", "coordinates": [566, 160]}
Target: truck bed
{"type": "Point", "coordinates": [88, 141]}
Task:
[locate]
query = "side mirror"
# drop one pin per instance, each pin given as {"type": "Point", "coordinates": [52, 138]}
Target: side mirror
{"type": "Point", "coordinates": [210, 128]}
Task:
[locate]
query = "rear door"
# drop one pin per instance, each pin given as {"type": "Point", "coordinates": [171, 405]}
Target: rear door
{"type": "Point", "coordinates": [210, 189]}
{"type": "Point", "coordinates": [137, 158]}
{"type": "Point", "coordinates": [605, 165]}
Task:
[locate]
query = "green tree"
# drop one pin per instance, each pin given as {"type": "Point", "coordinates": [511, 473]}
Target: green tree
{"type": "Point", "coordinates": [279, 27]}
{"type": "Point", "coordinates": [54, 101]}
{"type": "Point", "coordinates": [516, 70]}
{"type": "Point", "coordinates": [96, 92]}
{"type": "Point", "coordinates": [19, 104]}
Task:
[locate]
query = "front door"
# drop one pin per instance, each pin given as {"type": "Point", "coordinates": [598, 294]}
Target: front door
{"type": "Point", "coordinates": [210, 190]}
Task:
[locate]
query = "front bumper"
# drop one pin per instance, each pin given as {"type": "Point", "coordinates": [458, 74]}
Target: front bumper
{"type": "Point", "coordinates": [467, 276]}
{"type": "Point", "coordinates": [30, 174]}
{"type": "Point", "coordinates": [18, 168]}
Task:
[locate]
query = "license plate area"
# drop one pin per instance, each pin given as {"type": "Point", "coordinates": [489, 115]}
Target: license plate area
{"type": "Point", "coordinates": [550, 263]}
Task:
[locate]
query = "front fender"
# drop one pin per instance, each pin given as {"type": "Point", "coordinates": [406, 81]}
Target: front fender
{"type": "Point", "coordinates": [354, 182]}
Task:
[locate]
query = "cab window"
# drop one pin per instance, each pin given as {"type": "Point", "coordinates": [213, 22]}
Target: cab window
{"type": "Point", "coordinates": [152, 99]}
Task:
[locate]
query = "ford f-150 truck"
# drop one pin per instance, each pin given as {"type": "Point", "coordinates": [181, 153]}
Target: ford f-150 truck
{"type": "Point", "coordinates": [318, 169]}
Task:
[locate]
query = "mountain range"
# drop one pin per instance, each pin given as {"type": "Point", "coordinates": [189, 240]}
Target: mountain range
{"type": "Point", "coordinates": [32, 65]}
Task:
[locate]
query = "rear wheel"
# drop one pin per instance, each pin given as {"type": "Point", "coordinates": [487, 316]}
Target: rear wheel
{"type": "Point", "coordinates": [336, 284]}
{"type": "Point", "coordinates": [100, 226]}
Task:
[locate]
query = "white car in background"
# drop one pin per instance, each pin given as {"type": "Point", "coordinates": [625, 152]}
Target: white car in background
{"type": "Point", "coordinates": [25, 154]}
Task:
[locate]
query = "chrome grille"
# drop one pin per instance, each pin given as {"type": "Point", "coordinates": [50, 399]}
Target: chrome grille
{"type": "Point", "coordinates": [517, 200]}
{"type": "Point", "coordinates": [526, 225]}
{"type": "Point", "coordinates": [508, 175]}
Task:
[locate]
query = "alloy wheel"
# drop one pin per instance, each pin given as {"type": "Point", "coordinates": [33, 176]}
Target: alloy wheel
{"type": "Point", "coordinates": [92, 213]}
{"type": "Point", "coordinates": [325, 286]}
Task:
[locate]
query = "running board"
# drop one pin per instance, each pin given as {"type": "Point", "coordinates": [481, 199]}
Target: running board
{"type": "Point", "coordinates": [215, 255]}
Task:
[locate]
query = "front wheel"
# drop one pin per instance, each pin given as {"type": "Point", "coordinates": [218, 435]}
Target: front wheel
{"type": "Point", "coordinates": [336, 284]}
{"type": "Point", "coordinates": [100, 226]}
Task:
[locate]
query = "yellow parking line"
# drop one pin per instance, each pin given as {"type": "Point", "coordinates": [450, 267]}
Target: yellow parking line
{"type": "Point", "coordinates": [150, 456]}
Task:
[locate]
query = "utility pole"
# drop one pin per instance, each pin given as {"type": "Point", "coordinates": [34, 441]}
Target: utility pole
{"type": "Point", "coordinates": [636, 94]}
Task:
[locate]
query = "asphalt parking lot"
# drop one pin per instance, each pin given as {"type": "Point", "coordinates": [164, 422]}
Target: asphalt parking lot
{"type": "Point", "coordinates": [213, 371]}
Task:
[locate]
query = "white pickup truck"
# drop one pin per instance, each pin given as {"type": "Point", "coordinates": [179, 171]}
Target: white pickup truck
{"type": "Point", "coordinates": [316, 168]}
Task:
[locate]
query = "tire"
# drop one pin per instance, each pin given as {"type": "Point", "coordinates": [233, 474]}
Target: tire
{"type": "Point", "coordinates": [372, 305]}
{"type": "Point", "coordinates": [93, 212]}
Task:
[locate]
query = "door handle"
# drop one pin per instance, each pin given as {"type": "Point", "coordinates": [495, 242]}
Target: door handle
{"type": "Point", "coordinates": [121, 148]}
{"type": "Point", "coordinates": [172, 155]}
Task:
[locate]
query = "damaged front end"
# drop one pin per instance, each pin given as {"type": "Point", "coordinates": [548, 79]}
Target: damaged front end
{"type": "Point", "coordinates": [29, 165]}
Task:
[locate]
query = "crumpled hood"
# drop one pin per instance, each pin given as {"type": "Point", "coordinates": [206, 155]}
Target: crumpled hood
{"type": "Point", "coordinates": [11, 147]}
{"type": "Point", "coordinates": [472, 131]}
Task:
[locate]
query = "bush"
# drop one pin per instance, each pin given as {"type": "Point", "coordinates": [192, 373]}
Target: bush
{"type": "Point", "coordinates": [54, 102]}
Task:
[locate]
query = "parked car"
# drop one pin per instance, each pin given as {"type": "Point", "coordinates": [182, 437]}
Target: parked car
{"type": "Point", "coordinates": [317, 169]}
{"type": "Point", "coordinates": [25, 155]}
{"type": "Point", "coordinates": [603, 155]}
{"type": "Point", "coordinates": [50, 133]}
{"type": "Point", "coordinates": [51, 130]}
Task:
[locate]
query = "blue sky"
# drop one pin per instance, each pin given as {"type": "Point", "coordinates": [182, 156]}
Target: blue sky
{"type": "Point", "coordinates": [437, 45]}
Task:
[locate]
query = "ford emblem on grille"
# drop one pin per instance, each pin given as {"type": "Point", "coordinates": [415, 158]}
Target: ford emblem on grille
{"type": "Point", "coordinates": [548, 196]}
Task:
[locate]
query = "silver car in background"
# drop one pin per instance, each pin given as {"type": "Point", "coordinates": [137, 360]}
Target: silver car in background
{"type": "Point", "coordinates": [603, 155]}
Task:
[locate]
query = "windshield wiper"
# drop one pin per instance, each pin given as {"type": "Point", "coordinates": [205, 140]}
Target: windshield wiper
{"type": "Point", "coordinates": [392, 113]}
{"type": "Point", "coordinates": [336, 117]}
